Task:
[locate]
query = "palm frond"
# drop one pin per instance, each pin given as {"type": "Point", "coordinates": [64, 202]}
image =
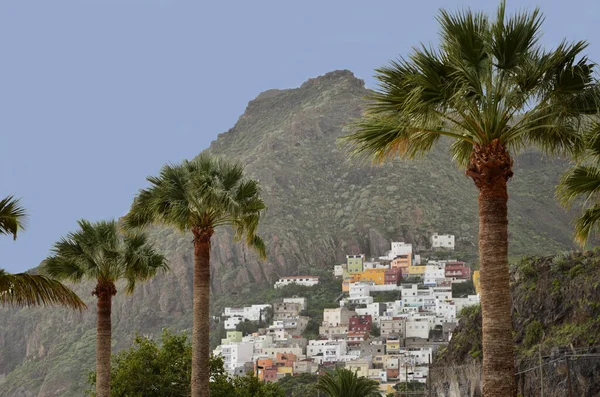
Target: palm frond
{"type": "Point", "coordinates": [12, 216]}
{"type": "Point", "coordinates": [580, 181]}
{"type": "Point", "coordinates": [33, 290]}
{"type": "Point", "coordinates": [587, 224]}
{"type": "Point", "coordinates": [345, 383]}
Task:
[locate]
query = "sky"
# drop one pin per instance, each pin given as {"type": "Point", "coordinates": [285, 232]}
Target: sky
{"type": "Point", "coordinates": [95, 95]}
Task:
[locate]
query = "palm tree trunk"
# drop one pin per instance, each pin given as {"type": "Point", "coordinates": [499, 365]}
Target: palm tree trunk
{"type": "Point", "coordinates": [104, 292]}
{"type": "Point", "coordinates": [498, 344]}
{"type": "Point", "coordinates": [490, 168]}
{"type": "Point", "coordinates": [201, 324]}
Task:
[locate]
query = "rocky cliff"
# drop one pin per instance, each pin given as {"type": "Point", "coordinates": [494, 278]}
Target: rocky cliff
{"type": "Point", "coordinates": [322, 205]}
{"type": "Point", "coordinates": [556, 313]}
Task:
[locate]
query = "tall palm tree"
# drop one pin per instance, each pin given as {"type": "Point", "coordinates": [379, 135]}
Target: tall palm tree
{"type": "Point", "coordinates": [24, 289]}
{"type": "Point", "coordinates": [491, 89]}
{"type": "Point", "coordinates": [583, 181]}
{"type": "Point", "coordinates": [198, 196]}
{"type": "Point", "coordinates": [97, 252]}
{"type": "Point", "coordinates": [345, 383]}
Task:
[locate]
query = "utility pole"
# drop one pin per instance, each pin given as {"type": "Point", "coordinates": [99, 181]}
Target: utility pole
{"type": "Point", "coordinates": [569, 377]}
{"type": "Point", "coordinates": [541, 371]}
{"type": "Point", "coordinates": [429, 382]}
{"type": "Point", "coordinates": [406, 378]}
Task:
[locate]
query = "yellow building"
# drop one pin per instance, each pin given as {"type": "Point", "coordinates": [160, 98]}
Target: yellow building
{"type": "Point", "coordinates": [392, 344]}
{"type": "Point", "coordinates": [476, 281]}
{"type": "Point", "coordinates": [285, 370]}
{"type": "Point", "coordinates": [415, 270]}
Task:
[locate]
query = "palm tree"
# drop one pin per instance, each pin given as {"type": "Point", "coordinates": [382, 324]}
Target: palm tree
{"type": "Point", "coordinates": [198, 196]}
{"type": "Point", "coordinates": [583, 181]}
{"type": "Point", "coordinates": [345, 383]}
{"type": "Point", "coordinates": [492, 90]}
{"type": "Point", "coordinates": [23, 288]}
{"type": "Point", "coordinates": [97, 252]}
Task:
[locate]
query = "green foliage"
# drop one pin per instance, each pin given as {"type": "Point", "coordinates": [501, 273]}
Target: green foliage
{"type": "Point", "coordinates": [413, 385]}
{"type": "Point", "coordinates": [553, 306]}
{"type": "Point", "coordinates": [463, 289]}
{"type": "Point", "coordinates": [533, 333]}
{"type": "Point", "coordinates": [375, 331]}
{"type": "Point", "coordinates": [582, 182]}
{"type": "Point", "coordinates": [148, 369]}
{"type": "Point", "coordinates": [345, 383]}
{"type": "Point", "coordinates": [248, 327]}
{"type": "Point", "coordinates": [387, 296]}
{"type": "Point", "coordinates": [301, 385]}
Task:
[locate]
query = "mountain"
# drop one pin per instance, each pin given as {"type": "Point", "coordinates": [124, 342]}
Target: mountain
{"type": "Point", "coordinates": [322, 204]}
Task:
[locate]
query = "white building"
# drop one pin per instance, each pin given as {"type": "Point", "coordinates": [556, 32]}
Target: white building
{"type": "Point", "coordinates": [375, 265]}
{"type": "Point", "coordinates": [326, 350]}
{"type": "Point", "coordinates": [417, 327]}
{"type": "Point", "coordinates": [446, 310]}
{"type": "Point", "coordinates": [299, 300]}
{"type": "Point", "coordinates": [232, 322]}
{"type": "Point", "coordinates": [336, 317]}
{"type": "Point", "coordinates": [358, 300]}
{"type": "Point", "coordinates": [250, 313]}
{"type": "Point", "coordinates": [373, 309]}
{"type": "Point", "coordinates": [307, 281]}
{"type": "Point", "coordinates": [360, 289]}
{"type": "Point", "coordinates": [464, 302]}
{"type": "Point", "coordinates": [398, 249]}
{"type": "Point", "coordinates": [435, 272]}
{"type": "Point", "coordinates": [442, 241]}
{"type": "Point", "coordinates": [235, 355]}
{"type": "Point", "coordinates": [338, 270]}
{"type": "Point", "coordinates": [271, 352]}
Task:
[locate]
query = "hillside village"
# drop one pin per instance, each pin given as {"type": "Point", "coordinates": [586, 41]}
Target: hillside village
{"type": "Point", "coordinates": [389, 341]}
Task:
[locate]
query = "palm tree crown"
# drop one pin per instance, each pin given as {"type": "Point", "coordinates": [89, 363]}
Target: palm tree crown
{"type": "Point", "coordinates": [97, 252]}
{"type": "Point", "coordinates": [489, 81]}
{"type": "Point", "coordinates": [345, 383]}
{"type": "Point", "coordinates": [12, 216]}
{"type": "Point", "coordinates": [200, 195]}
{"type": "Point", "coordinates": [583, 181]}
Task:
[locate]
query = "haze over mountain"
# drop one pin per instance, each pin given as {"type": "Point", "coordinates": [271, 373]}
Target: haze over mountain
{"type": "Point", "coordinates": [322, 203]}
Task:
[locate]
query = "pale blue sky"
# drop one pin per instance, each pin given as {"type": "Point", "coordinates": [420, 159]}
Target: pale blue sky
{"type": "Point", "coordinates": [97, 94]}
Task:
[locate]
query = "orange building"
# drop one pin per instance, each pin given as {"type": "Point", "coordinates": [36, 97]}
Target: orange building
{"type": "Point", "coordinates": [375, 275]}
{"type": "Point", "coordinates": [285, 359]}
{"type": "Point", "coordinates": [401, 261]}
{"type": "Point", "coordinates": [265, 369]}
